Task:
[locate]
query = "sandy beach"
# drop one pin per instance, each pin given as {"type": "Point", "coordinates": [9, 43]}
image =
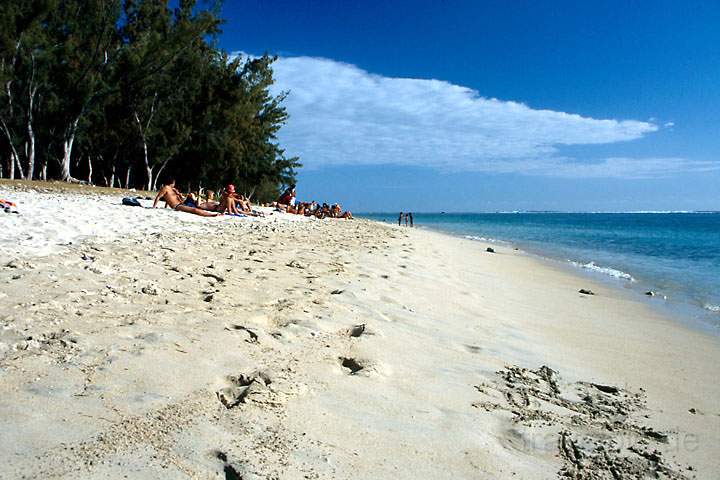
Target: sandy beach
{"type": "Point", "coordinates": [139, 343]}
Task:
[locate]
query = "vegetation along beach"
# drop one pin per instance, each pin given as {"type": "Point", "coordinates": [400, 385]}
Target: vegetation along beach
{"type": "Point", "coordinates": [199, 277]}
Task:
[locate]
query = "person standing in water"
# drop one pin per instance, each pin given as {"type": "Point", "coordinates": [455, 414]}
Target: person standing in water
{"type": "Point", "coordinates": [411, 219]}
{"type": "Point", "coordinates": [400, 219]}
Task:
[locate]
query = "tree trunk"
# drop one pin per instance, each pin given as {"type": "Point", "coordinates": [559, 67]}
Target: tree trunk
{"type": "Point", "coordinates": [148, 168]}
{"type": "Point", "coordinates": [32, 91]}
{"type": "Point", "coordinates": [31, 141]}
{"type": "Point", "coordinates": [127, 177]}
{"type": "Point", "coordinates": [31, 153]}
{"type": "Point", "coordinates": [14, 157]}
{"type": "Point", "coordinates": [44, 171]}
{"type": "Point", "coordinates": [112, 178]}
{"type": "Point", "coordinates": [143, 130]}
{"type": "Point", "coordinates": [67, 152]}
{"type": "Point", "coordinates": [150, 178]}
{"type": "Point", "coordinates": [89, 170]}
{"type": "Point", "coordinates": [162, 167]}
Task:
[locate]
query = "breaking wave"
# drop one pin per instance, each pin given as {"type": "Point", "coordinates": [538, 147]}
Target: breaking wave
{"type": "Point", "coordinates": [605, 270]}
{"type": "Point", "coordinates": [483, 239]}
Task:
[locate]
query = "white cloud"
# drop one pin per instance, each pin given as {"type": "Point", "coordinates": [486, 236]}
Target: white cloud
{"type": "Point", "coordinates": [341, 114]}
{"type": "Point", "coordinates": [620, 167]}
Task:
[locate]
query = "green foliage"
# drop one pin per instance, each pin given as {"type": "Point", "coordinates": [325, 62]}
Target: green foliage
{"type": "Point", "coordinates": [135, 88]}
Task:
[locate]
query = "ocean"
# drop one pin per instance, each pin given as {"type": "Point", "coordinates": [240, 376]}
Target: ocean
{"type": "Point", "coordinates": [676, 255]}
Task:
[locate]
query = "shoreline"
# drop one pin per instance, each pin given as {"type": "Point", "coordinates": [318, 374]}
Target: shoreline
{"type": "Point", "coordinates": [693, 316]}
{"type": "Point", "coordinates": [238, 347]}
{"type": "Point", "coordinates": [691, 312]}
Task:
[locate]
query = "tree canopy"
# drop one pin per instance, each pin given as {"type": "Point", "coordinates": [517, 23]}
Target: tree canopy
{"type": "Point", "coordinates": [123, 92]}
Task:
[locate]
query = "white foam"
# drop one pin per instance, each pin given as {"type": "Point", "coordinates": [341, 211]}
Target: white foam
{"type": "Point", "coordinates": [605, 270]}
{"type": "Point", "coordinates": [482, 239]}
{"type": "Point", "coordinates": [712, 308]}
{"type": "Point", "coordinates": [49, 221]}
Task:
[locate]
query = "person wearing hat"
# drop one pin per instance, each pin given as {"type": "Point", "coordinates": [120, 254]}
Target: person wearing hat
{"type": "Point", "coordinates": [228, 200]}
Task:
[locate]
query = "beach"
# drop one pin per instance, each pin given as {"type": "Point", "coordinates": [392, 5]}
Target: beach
{"type": "Point", "coordinates": [153, 344]}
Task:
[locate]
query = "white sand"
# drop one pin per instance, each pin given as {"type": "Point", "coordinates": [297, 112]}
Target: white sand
{"type": "Point", "coordinates": [48, 222]}
{"type": "Point", "coordinates": [115, 364]}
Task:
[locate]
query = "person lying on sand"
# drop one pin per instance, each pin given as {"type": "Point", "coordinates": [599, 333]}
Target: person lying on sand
{"type": "Point", "coordinates": [191, 200]}
{"type": "Point", "coordinates": [170, 195]}
{"type": "Point", "coordinates": [336, 212]}
{"type": "Point", "coordinates": [210, 203]}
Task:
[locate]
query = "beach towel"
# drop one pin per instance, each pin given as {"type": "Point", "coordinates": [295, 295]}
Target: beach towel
{"type": "Point", "coordinates": [131, 202]}
{"type": "Point", "coordinates": [8, 207]}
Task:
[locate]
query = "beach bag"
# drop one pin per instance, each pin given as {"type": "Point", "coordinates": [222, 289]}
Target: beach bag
{"type": "Point", "coordinates": [131, 202]}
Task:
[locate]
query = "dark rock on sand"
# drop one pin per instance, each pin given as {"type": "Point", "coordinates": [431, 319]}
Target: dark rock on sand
{"type": "Point", "coordinates": [585, 291]}
{"type": "Point", "coordinates": [356, 330]}
{"type": "Point", "coordinates": [490, 250]}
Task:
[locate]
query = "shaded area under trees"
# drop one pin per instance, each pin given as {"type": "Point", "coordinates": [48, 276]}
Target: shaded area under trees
{"type": "Point", "coordinates": [123, 92]}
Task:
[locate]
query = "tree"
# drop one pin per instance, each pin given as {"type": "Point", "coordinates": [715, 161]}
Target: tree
{"type": "Point", "coordinates": [86, 42]}
{"type": "Point", "coordinates": [23, 47]}
{"type": "Point", "coordinates": [161, 46]}
{"type": "Point", "coordinates": [105, 88]}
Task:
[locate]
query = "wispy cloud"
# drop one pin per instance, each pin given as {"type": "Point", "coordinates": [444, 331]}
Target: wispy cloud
{"type": "Point", "coordinates": [341, 114]}
{"type": "Point", "coordinates": [619, 167]}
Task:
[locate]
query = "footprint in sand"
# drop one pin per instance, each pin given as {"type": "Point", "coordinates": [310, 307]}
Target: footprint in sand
{"type": "Point", "coordinates": [240, 386]}
{"type": "Point", "coordinates": [596, 428]}
{"type": "Point", "coordinates": [352, 365]}
{"type": "Point", "coordinates": [228, 469]}
{"type": "Point", "coordinates": [251, 336]}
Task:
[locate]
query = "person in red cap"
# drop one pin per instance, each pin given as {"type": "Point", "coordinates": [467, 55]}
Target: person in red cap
{"type": "Point", "coordinates": [228, 200]}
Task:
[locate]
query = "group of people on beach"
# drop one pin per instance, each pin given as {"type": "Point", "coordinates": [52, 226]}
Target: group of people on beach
{"type": "Point", "coordinates": [408, 216]}
{"type": "Point", "coordinates": [288, 203]}
{"type": "Point", "coordinates": [232, 203]}
{"type": "Point", "coordinates": [229, 201]}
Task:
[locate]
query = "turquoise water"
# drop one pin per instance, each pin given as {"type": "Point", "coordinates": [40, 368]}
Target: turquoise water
{"type": "Point", "coordinates": [676, 255]}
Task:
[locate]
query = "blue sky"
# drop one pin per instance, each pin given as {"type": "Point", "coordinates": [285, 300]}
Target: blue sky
{"type": "Point", "coordinates": [496, 105]}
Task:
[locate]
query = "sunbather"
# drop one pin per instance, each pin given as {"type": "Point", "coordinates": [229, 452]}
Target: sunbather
{"type": "Point", "coordinates": [210, 203]}
{"type": "Point", "coordinates": [170, 195]}
{"type": "Point", "coordinates": [287, 199]}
